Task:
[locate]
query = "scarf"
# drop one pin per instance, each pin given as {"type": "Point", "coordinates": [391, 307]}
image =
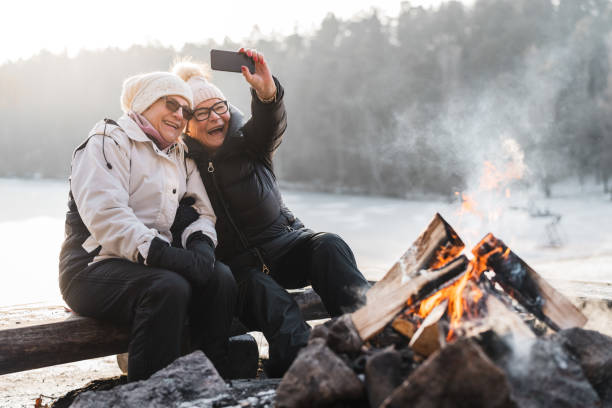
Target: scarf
{"type": "Point", "coordinates": [149, 130]}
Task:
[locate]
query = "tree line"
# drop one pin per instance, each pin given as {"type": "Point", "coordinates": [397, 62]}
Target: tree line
{"type": "Point", "coordinates": [396, 106]}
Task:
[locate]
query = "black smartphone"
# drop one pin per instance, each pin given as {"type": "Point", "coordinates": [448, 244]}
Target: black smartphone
{"type": "Point", "coordinates": [230, 61]}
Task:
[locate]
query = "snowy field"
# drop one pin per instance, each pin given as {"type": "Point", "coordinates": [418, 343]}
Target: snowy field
{"type": "Point", "coordinates": [577, 248]}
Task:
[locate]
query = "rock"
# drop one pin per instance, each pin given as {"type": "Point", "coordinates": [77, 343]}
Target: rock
{"type": "Point", "coordinates": [320, 331]}
{"type": "Point", "coordinates": [543, 374]}
{"type": "Point", "coordinates": [318, 377]}
{"type": "Point", "coordinates": [243, 357]}
{"type": "Point", "coordinates": [594, 352]}
{"type": "Point", "coordinates": [343, 337]}
{"type": "Point", "coordinates": [340, 334]}
{"type": "Point", "coordinates": [188, 379]}
{"type": "Point", "coordinates": [383, 374]}
{"type": "Point", "coordinates": [242, 389]}
{"type": "Point", "coordinates": [459, 375]}
{"type": "Point", "coordinates": [103, 384]}
{"type": "Point", "coordinates": [242, 393]}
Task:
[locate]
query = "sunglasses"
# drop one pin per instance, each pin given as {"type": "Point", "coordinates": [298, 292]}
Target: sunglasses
{"type": "Point", "coordinates": [173, 106]}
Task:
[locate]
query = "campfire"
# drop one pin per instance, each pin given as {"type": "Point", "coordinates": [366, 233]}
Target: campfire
{"type": "Point", "coordinates": [446, 329]}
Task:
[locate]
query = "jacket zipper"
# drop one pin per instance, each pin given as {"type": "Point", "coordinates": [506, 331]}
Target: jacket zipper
{"type": "Point", "coordinates": [245, 243]}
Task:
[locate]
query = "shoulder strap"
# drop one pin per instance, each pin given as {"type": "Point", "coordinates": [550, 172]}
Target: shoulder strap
{"type": "Point", "coordinates": [107, 121]}
{"type": "Point", "coordinates": [111, 122]}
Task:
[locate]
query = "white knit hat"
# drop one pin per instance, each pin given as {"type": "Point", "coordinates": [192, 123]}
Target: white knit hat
{"type": "Point", "coordinates": [195, 75]}
{"type": "Point", "coordinates": [141, 91]}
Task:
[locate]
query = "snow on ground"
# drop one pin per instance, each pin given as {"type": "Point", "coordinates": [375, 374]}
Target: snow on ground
{"type": "Point", "coordinates": [378, 229]}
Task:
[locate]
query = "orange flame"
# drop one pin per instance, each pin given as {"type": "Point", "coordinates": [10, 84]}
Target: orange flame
{"type": "Point", "coordinates": [468, 205]}
{"type": "Point", "coordinates": [495, 179]}
{"type": "Point", "coordinates": [445, 254]}
{"type": "Point", "coordinates": [460, 299]}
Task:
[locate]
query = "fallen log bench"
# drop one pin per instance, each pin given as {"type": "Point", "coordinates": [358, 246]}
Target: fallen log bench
{"type": "Point", "coordinates": [29, 345]}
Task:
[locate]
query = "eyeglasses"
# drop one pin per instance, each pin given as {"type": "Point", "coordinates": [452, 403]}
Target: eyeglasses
{"type": "Point", "coordinates": [201, 114]}
{"type": "Point", "coordinates": [173, 106]}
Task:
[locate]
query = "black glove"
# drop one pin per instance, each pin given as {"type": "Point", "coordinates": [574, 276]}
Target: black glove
{"type": "Point", "coordinates": [193, 266]}
{"type": "Point", "coordinates": [202, 245]}
{"type": "Point", "coordinates": [185, 215]}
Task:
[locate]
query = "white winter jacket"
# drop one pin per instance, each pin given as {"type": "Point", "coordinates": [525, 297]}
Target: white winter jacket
{"type": "Point", "coordinates": [127, 191]}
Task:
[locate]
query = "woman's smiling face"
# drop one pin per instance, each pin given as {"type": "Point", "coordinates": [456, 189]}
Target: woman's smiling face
{"type": "Point", "coordinates": [169, 124]}
{"type": "Point", "coordinates": [210, 132]}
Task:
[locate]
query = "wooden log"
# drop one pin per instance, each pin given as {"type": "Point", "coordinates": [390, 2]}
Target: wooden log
{"type": "Point", "coordinates": [31, 345]}
{"type": "Point", "coordinates": [504, 321]}
{"type": "Point", "coordinates": [524, 284]}
{"type": "Point", "coordinates": [429, 337]}
{"type": "Point", "coordinates": [57, 342]}
{"type": "Point", "coordinates": [380, 310]}
{"type": "Point", "coordinates": [404, 326]}
{"type": "Point", "coordinates": [494, 313]}
{"type": "Point", "coordinates": [439, 239]}
{"type": "Point", "coordinates": [404, 280]}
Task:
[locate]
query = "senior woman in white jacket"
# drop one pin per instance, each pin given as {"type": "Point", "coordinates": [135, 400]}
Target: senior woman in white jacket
{"type": "Point", "coordinates": [117, 262]}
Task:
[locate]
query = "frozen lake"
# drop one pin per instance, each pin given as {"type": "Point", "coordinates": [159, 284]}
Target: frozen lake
{"type": "Point", "coordinates": [378, 229]}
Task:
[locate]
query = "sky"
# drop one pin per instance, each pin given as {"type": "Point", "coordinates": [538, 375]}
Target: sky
{"type": "Point", "coordinates": [28, 26]}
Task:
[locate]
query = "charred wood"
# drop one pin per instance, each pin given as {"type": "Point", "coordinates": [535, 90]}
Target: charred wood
{"type": "Point", "coordinates": [528, 287]}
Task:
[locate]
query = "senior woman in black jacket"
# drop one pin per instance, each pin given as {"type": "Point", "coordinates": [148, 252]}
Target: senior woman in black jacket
{"type": "Point", "coordinates": [265, 245]}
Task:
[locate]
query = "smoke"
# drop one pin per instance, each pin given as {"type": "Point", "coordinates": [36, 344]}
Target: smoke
{"type": "Point", "coordinates": [510, 117]}
{"type": "Point", "coordinates": [497, 143]}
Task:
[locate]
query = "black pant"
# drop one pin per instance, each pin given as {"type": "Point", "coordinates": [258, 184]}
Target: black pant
{"type": "Point", "coordinates": [155, 303]}
{"type": "Point", "coordinates": [322, 260]}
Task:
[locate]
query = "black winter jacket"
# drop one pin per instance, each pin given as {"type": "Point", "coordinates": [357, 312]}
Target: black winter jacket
{"type": "Point", "coordinates": [253, 224]}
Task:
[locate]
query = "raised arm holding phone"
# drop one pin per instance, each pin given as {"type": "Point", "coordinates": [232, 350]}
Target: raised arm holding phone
{"type": "Point", "coordinates": [267, 248]}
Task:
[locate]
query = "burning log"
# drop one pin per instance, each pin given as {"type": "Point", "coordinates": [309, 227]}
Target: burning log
{"type": "Point", "coordinates": [504, 321]}
{"type": "Point", "coordinates": [437, 243]}
{"type": "Point", "coordinates": [379, 310]}
{"type": "Point", "coordinates": [404, 326]}
{"type": "Point", "coordinates": [429, 337]}
{"type": "Point", "coordinates": [452, 312]}
{"type": "Point", "coordinates": [387, 298]}
{"type": "Point", "coordinates": [527, 286]}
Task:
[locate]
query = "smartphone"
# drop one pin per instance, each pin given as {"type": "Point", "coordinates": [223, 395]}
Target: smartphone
{"type": "Point", "coordinates": [230, 61]}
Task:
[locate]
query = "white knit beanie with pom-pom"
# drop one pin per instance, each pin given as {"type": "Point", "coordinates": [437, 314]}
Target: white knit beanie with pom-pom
{"type": "Point", "coordinates": [141, 91]}
{"type": "Point", "coordinates": [196, 77]}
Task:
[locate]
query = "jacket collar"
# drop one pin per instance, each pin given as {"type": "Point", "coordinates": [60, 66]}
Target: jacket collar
{"type": "Point", "coordinates": [132, 129]}
{"type": "Point", "coordinates": [235, 124]}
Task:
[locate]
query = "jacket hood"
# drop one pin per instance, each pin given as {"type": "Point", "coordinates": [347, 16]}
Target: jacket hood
{"type": "Point", "coordinates": [236, 123]}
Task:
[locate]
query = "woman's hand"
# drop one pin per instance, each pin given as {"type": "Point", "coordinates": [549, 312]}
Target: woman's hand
{"type": "Point", "coordinates": [261, 80]}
